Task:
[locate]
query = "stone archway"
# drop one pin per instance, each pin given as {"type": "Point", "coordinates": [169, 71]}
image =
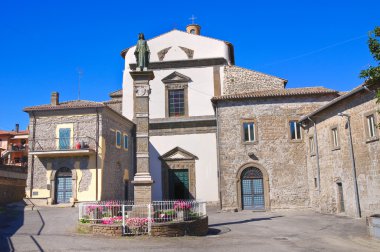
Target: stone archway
{"type": "Point", "coordinates": [257, 170]}
{"type": "Point", "coordinates": [53, 184]}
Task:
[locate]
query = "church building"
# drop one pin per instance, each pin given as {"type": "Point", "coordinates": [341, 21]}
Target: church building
{"type": "Point", "coordinates": [235, 137]}
{"type": "Point", "coordinates": [199, 127]}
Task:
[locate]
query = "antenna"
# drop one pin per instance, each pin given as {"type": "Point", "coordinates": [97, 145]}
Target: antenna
{"type": "Point", "coordinates": [192, 19]}
{"type": "Point", "coordinates": [80, 73]}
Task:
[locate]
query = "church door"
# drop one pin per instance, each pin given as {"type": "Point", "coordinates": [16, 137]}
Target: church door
{"type": "Point", "coordinates": [179, 184]}
{"type": "Point", "coordinates": [63, 185]}
{"type": "Point", "coordinates": [252, 189]}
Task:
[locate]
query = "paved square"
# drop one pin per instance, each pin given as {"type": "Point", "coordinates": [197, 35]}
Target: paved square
{"type": "Point", "coordinates": [52, 229]}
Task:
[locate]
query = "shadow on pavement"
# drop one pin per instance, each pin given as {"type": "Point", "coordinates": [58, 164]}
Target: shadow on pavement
{"type": "Point", "coordinates": [11, 219]}
{"type": "Point", "coordinates": [244, 221]}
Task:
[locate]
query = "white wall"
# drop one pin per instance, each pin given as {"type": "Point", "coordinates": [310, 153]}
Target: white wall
{"type": "Point", "coordinates": [203, 47]}
{"type": "Point", "coordinates": [200, 92]}
{"type": "Point", "coordinates": [201, 145]}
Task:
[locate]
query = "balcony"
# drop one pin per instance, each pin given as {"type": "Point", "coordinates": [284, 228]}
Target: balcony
{"type": "Point", "coordinates": [63, 147]}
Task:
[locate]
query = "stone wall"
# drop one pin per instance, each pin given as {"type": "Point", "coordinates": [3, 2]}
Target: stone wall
{"type": "Point", "coordinates": [335, 163]}
{"type": "Point", "coordinates": [12, 183]}
{"type": "Point", "coordinates": [282, 160]}
{"type": "Point", "coordinates": [116, 160]}
{"type": "Point", "coordinates": [110, 161]}
{"type": "Point", "coordinates": [99, 229]}
{"type": "Point", "coordinates": [239, 80]}
{"type": "Point", "coordinates": [83, 123]}
{"type": "Point", "coordinates": [174, 229]}
{"type": "Point", "coordinates": [84, 126]}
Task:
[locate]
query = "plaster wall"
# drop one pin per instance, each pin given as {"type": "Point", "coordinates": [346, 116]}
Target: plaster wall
{"type": "Point", "coordinates": [200, 92]}
{"type": "Point", "coordinates": [203, 47]}
{"type": "Point", "coordinates": [201, 145]}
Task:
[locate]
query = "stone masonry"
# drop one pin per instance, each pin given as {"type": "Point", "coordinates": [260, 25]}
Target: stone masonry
{"type": "Point", "coordinates": [281, 159]}
{"type": "Point", "coordinates": [96, 175]}
{"type": "Point", "coordinates": [335, 162]}
{"type": "Point", "coordinates": [142, 180]}
{"type": "Point", "coordinates": [240, 80]}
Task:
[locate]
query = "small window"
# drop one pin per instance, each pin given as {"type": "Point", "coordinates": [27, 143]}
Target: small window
{"type": "Point", "coordinates": [335, 137]}
{"type": "Point", "coordinates": [125, 141]}
{"type": "Point", "coordinates": [192, 31]}
{"type": "Point", "coordinates": [315, 182]}
{"type": "Point", "coordinates": [176, 102]}
{"type": "Point", "coordinates": [295, 130]}
{"type": "Point", "coordinates": [312, 145]}
{"type": "Point", "coordinates": [118, 139]}
{"type": "Point", "coordinates": [249, 131]}
{"type": "Point", "coordinates": [371, 126]}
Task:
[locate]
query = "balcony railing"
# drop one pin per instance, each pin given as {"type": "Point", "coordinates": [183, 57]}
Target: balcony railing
{"type": "Point", "coordinates": [62, 144]}
{"type": "Point", "coordinates": [17, 147]}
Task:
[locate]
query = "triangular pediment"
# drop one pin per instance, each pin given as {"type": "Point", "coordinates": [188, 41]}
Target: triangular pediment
{"type": "Point", "coordinates": [178, 154]}
{"type": "Point", "coordinates": [176, 77]}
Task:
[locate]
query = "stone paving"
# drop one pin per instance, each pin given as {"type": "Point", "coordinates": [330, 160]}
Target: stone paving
{"type": "Point", "coordinates": [53, 229]}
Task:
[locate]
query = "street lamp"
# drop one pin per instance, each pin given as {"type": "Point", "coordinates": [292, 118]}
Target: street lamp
{"type": "Point", "coordinates": [358, 213]}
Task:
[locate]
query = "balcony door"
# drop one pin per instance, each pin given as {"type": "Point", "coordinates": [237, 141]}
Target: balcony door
{"type": "Point", "coordinates": [64, 138]}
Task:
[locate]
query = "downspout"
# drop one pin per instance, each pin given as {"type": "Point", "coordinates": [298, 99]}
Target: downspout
{"type": "Point", "coordinates": [316, 154]}
{"type": "Point", "coordinates": [218, 158]}
{"type": "Point", "coordinates": [96, 154]}
{"type": "Point", "coordinates": [33, 146]}
{"type": "Point", "coordinates": [358, 212]}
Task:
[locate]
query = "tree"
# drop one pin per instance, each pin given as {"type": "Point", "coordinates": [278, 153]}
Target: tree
{"type": "Point", "coordinates": [372, 74]}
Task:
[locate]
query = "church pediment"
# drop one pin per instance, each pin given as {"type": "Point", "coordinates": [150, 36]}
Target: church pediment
{"type": "Point", "coordinates": [178, 154]}
{"type": "Point", "coordinates": [176, 77]}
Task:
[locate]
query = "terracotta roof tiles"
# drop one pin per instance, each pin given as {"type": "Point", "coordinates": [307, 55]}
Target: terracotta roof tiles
{"type": "Point", "coordinates": [67, 105]}
{"type": "Point", "coordinates": [277, 93]}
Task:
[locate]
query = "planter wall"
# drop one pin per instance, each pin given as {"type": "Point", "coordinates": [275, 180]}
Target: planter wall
{"type": "Point", "coordinates": [101, 229]}
{"type": "Point", "coordinates": [197, 227]}
{"type": "Point", "coordinates": [373, 224]}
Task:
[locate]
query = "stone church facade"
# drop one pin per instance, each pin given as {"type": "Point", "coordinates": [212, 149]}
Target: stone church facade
{"type": "Point", "coordinates": [241, 137]}
{"type": "Point", "coordinates": [220, 133]}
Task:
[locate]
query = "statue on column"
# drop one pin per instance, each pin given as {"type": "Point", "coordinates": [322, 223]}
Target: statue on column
{"type": "Point", "coordinates": [142, 54]}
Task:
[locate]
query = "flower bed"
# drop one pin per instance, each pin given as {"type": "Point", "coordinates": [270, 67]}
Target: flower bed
{"type": "Point", "coordinates": [138, 219]}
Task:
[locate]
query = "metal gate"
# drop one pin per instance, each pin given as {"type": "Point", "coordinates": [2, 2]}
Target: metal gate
{"type": "Point", "coordinates": [252, 189]}
{"type": "Point", "coordinates": [179, 184]}
{"type": "Point", "coordinates": [63, 185]}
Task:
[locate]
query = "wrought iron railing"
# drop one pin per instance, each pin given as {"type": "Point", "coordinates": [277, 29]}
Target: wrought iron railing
{"type": "Point", "coordinates": [138, 219]}
{"type": "Point", "coordinates": [56, 144]}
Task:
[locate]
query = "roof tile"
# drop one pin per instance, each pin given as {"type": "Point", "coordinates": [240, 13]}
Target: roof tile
{"type": "Point", "coordinates": [277, 93]}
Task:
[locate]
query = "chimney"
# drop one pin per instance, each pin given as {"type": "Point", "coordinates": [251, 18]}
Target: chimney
{"type": "Point", "coordinates": [17, 128]}
{"type": "Point", "coordinates": [193, 29]}
{"type": "Point", "coordinates": [54, 99]}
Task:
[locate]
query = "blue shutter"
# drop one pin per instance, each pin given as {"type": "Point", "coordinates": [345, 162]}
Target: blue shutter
{"type": "Point", "coordinates": [64, 138]}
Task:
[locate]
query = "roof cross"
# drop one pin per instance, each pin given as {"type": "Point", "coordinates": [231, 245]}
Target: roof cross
{"type": "Point", "coordinates": [192, 19]}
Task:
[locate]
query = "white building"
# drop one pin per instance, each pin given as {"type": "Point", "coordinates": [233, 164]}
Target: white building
{"type": "Point", "coordinates": [188, 72]}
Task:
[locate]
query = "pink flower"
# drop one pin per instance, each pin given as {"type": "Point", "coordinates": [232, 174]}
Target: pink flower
{"type": "Point", "coordinates": [182, 205]}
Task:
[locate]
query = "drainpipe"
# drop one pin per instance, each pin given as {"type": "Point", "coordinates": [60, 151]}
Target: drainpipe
{"type": "Point", "coordinates": [218, 157]}
{"type": "Point", "coordinates": [358, 213]}
{"type": "Point", "coordinates": [317, 154]}
{"type": "Point", "coordinates": [33, 146]}
{"type": "Point", "coordinates": [96, 153]}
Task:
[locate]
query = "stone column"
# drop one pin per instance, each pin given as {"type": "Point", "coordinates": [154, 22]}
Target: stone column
{"type": "Point", "coordinates": [142, 180]}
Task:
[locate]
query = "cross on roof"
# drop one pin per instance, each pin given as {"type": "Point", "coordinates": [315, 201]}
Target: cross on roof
{"type": "Point", "coordinates": [192, 18]}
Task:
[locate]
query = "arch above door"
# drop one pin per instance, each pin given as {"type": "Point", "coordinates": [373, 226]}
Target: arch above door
{"type": "Point", "coordinates": [257, 172]}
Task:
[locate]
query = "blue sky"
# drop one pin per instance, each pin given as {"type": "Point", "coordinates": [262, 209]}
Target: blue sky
{"type": "Point", "coordinates": [43, 43]}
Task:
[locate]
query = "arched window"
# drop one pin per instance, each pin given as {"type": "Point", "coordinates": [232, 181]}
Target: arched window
{"type": "Point", "coordinates": [252, 173]}
{"type": "Point", "coordinates": [252, 188]}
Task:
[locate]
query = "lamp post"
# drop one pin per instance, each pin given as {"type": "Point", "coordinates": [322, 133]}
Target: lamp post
{"type": "Point", "coordinates": [358, 213]}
